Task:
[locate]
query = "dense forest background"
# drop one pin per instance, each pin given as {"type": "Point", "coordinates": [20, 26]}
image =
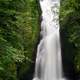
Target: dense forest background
{"type": "Point", "coordinates": [19, 36]}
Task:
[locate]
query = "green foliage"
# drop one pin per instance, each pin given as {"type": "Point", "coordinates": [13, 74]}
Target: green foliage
{"type": "Point", "coordinates": [70, 24]}
{"type": "Point", "coordinates": [18, 34]}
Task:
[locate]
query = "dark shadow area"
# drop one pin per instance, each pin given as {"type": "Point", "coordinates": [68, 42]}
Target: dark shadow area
{"type": "Point", "coordinates": [69, 50]}
{"type": "Point", "coordinates": [67, 57]}
{"type": "Point", "coordinates": [29, 74]}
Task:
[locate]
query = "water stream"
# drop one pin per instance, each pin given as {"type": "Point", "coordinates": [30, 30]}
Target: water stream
{"type": "Point", "coordinates": [48, 61]}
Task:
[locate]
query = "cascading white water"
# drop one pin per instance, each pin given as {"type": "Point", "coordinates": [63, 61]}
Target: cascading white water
{"type": "Point", "coordinates": [48, 61]}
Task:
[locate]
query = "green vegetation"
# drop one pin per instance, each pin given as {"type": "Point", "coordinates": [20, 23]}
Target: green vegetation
{"type": "Point", "coordinates": [19, 31]}
{"type": "Point", "coordinates": [70, 26]}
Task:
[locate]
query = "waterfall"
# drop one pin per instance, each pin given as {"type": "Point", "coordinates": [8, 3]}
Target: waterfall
{"type": "Point", "coordinates": [48, 61]}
